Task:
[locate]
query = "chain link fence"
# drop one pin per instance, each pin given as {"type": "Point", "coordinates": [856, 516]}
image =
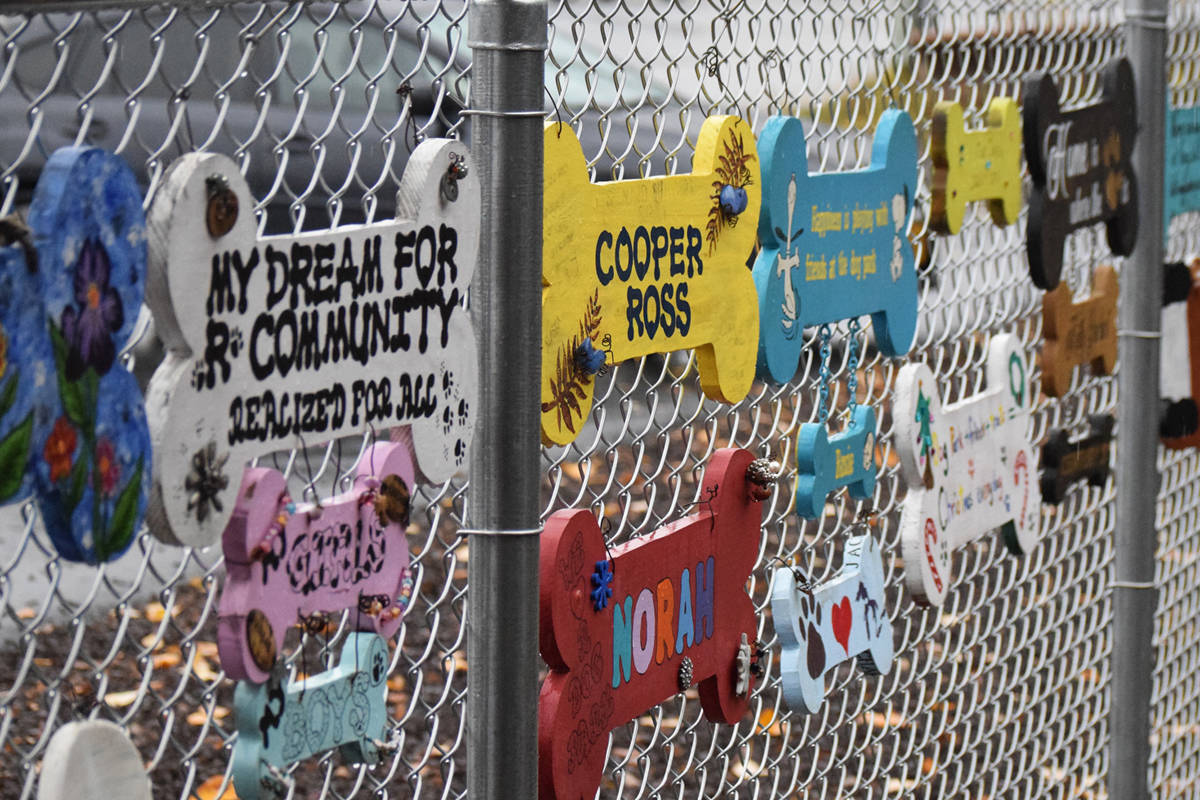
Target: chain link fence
{"type": "Point", "coordinates": [1002, 692]}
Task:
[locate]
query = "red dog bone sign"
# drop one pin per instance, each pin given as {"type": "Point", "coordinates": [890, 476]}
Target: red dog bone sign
{"type": "Point", "coordinates": [280, 339]}
{"type": "Point", "coordinates": [969, 467]}
{"type": "Point", "coordinates": [621, 636]}
{"type": "Point", "coordinates": [288, 562]}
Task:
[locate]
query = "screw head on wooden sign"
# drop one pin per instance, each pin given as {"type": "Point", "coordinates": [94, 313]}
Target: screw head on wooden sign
{"type": "Point", "coordinates": [279, 724]}
{"type": "Point", "coordinates": [834, 245]}
{"type": "Point", "coordinates": [975, 165]}
{"type": "Point", "coordinates": [1080, 164]}
{"type": "Point", "coordinates": [825, 463]}
{"type": "Point", "coordinates": [676, 597]}
{"type": "Point", "coordinates": [1079, 333]}
{"type": "Point", "coordinates": [647, 266]}
{"type": "Point", "coordinates": [92, 758]}
{"type": "Point", "coordinates": [73, 429]}
{"type": "Point", "coordinates": [287, 562]}
{"type": "Point", "coordinates": [969, 467]}
{"type": "Point", "coordinates": [820, 627]}
{"type": "Point", "coordinates": [1065, 462]}
{"type": "Point", "coordinates": [283, 341]}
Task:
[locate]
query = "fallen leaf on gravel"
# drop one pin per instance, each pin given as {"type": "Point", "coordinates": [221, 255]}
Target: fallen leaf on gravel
{"type": "Point", "coordinates": [211, 789]}
{"type": "Point", "coordinates": [121, 699]}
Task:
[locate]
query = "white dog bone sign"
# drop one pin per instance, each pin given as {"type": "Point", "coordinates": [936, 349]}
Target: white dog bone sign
{"type": "Point", "coordinates": [969, 467]}
{"type": "Point", "coordinates": [92, 758]}
{"type": "Point", "coordinates": [284, 341]}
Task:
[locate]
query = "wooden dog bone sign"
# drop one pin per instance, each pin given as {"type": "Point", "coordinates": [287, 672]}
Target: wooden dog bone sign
{"type": "Point", "coordinates": [1182, 159]}
{"type": "Point", "coordinates": [969, 467]}
{"type": "Point", "coordinates": [1080, 164]}
{"type": "Point", "coordinates": [73, 429]}
{"type": "Point", "coordinates": [1179, 384]}
{"type": "Point", "coordinates": [621, 636]}
{"type": "Point", "coordinates": [316, 335]}
{"type": "Point", "coordinates": [823, 626]}
{"type": "Point", "coordinates": [976, 165]}
{"type": "Point", "coordinates": [92, 758]}
{"type": "Point", "coordinates": [647, 266]}
{"type": "Point", "coordinates": [834, 246]}
{"type": "Point", "coordinates": [825, 463]}
{"type": "Point", "coordinates": [1079, 333]}
{"type": "Point", "coordinates": [1065, 462]}
{"type": "Point", "coordinates": [287, 562]}
{"type": "Point", "coordinates": [278, 725]}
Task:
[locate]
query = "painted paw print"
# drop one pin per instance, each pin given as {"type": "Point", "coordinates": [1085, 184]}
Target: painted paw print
{"type": "Point", "coordinates": [199, 374]}
{"type": "Point", "coordinates": [810, 618]}
{"type": "Point", "coordinates": [236, 342]}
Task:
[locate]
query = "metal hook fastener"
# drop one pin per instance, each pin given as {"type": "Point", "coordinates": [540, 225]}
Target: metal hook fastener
{"type": "Point", "coordinates": [454, 173]}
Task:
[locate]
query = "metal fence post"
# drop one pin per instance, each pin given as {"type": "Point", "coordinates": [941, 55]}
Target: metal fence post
{"type": "Point", "coordinates": [508, 38]}
{"type": "Point", "coordinates": [1139, 320]}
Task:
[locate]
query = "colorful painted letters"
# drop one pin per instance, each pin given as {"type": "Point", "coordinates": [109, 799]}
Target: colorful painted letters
{"type": "Point", "coordinates": [73, 429]}
{"type": "Point", "coordinates": [1064, 461]}
{"type": "Point", "coordinates": [976, 165]}
{"type": "Point", "coordinates": [821, 627]}
{"type": "Point", "coordinates": [342, 707]}
{"type": "Point", "coordinates": [621, 636]}
{"type": "Point", "coordinates": [647, 266]}
{"type": "Point", "coordinates": [287, 561]}
{"type": "Point", "coordinates": [824, 463]}
{"type": "Point", "coordinates": [968, 467]}
{"type": "Point", "coordinates": [316, 335]}
{"type": "Point", "coordinates": [834, 246]}
{"type": "Point", "coordinates": [1079, 333]}
{"type": "Point", "coordinates": [1080, 164]}
{"type": "Point", "coordinates": [1182, 159]}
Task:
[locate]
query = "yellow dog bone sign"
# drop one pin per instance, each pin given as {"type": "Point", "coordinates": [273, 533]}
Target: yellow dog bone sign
{"type": "Point", "coordinates": [647, 266]}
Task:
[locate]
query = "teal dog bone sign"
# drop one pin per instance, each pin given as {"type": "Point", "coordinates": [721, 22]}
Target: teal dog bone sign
{"type": "Point", "coordinates": [280, 724]}
{"type": "Point", "coordinates": [834, 246]}
{"type": "Point", "coordinates": [825, 463]}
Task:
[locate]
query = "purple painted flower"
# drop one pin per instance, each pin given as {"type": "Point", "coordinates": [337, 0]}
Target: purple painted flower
{"type": "Point", "coordinates": [88, 328]}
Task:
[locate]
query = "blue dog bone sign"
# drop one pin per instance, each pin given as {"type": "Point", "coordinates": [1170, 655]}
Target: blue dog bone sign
{"type": "Point", "coordinates": [343, 707]}
{"type": "Point", "coordinates": [834, 245]}
{"type": "Point", "coordinates": [826, 463]}
{"type": "Point", "coordinates": [73, 430]}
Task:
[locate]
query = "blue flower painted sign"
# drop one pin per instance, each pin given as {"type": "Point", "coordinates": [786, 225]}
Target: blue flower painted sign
{"type": "Point", "coordinates": [73, 430]}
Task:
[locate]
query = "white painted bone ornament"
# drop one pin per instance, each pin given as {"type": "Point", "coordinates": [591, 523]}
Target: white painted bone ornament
{"type": "Point", "coordinates": [289, 341]}
{"type": "Point", "coordinates": [969, 466]}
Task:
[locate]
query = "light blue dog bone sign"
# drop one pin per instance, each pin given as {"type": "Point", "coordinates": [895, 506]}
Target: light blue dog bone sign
{"type": "Point", "coordinates": [834, 246]}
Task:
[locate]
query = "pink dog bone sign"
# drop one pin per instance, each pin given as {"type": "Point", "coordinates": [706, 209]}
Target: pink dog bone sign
{"type": "Point", "coordinates": [317, 335]}
{"type": "Point", "coordinates": [286, 562]}
{"type": "Point", "coordinates": [969, 467]}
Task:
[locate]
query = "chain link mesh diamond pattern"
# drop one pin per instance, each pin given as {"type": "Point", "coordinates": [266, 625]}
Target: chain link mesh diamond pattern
{"type": "Point", "coordinates": [1003, 692]}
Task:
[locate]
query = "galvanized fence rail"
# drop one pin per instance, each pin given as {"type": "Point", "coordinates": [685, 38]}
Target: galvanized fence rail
{"type": "Point", "coordinates": [1006, 691]}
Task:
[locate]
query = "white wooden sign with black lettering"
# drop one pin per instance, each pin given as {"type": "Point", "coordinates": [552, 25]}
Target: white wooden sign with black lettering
{"type": "Point", "coordinates": [280, 341]}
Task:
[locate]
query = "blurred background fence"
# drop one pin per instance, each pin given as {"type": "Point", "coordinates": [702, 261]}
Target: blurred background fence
{"type": "Point", "coordinates": [1005, 691]}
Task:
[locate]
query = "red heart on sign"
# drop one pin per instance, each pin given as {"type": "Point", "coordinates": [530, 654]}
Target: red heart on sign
{"type": "Point", "coordinates": [842, 618]}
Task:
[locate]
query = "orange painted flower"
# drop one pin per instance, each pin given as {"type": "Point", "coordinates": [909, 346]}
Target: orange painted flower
{"type": "Point", "coordinates": [60, 446]}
